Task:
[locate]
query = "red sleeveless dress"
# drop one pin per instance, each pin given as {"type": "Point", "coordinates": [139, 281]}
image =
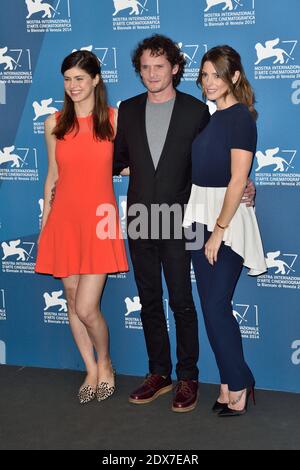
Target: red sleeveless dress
{"type": "Point", "coordinates": [82, 234]}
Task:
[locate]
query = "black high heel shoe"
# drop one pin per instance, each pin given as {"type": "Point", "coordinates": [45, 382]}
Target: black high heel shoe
{"type": "Point", "coordinates": [229, 412]}
{"type": "Point", "coordinates": [217, 407]}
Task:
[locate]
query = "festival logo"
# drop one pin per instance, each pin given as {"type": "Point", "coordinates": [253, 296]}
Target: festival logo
{"type": "Point", "coordinates": [18, 256]}
{"type": "Point", "coordinates": [131, 15]}
{"type": "Point", "coordinates": [281, 271]}
{"type": "Point", "coordinates": [2, 305]}
{"type": "Point", "coordinates": [192, 54]}
{"type": "Point", "coordinates": [275, 59]}
{"type": "Point", "coordinates": [229, 13]}
{"type": "Point", "coordinates": [55, 310]}
{"type": "Point", "coordinates": [132, 314]}
{"type": "Point", "coordinates": [48, 16]}
{"type": "Point", "coordinates": [279, 265]}
{"type": "Point", "coordinates": [15, 66]}
{"type": "Point", "coordinates": [108, 61]}
{"type": "Point", "coordinates": [247, 316]}
{"type": "Point", "coordinates": [277, 167]}
{"type": "Point", "coordinates": [18, 164]}
{"type": "Point", "coordinates": [42, 109]}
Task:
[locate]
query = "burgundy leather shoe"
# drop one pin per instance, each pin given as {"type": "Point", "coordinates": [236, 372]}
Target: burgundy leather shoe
{"type": "Point", "coordinates": [153, 386]}
{"type": "Point", "coordinates": [186, 395]}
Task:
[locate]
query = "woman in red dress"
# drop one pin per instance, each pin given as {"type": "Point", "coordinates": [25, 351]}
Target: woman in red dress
{"type": "Point", "coordinates": [76, 244]}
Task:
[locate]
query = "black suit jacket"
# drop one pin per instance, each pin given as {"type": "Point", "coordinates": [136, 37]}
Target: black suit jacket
{"type": "Point", "coordinates": [170, 182]}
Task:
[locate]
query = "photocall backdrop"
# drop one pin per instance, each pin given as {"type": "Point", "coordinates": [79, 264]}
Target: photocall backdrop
{"type": "Point", "coordinates": [34, 38]}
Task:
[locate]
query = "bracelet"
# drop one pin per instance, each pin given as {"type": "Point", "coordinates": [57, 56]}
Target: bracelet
{"type": "Point", "coordinates": [221, 226]}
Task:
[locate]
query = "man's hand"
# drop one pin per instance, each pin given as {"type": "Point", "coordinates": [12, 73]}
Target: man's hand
{"type": "Point", "coordinates": [249, 194]}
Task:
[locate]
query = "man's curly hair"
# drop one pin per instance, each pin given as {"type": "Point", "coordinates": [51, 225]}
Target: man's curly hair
{"type": "Point", "coordinates": [159, 45]}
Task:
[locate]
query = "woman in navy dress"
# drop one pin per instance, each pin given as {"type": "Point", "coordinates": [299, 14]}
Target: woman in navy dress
{"type": "Point", "coordinates": [222, 157]}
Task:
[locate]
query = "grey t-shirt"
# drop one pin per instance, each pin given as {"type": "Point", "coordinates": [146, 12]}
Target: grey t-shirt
{"type": "Point", "coordinates": [158, 116]}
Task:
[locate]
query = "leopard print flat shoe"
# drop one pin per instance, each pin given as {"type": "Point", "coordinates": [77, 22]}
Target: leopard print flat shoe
{"type": "Point", "coordinates": [86, 394]}
{"type": "Point", "coordinates": [105, 389]}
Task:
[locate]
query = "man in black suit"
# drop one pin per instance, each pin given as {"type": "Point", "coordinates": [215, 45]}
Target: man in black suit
{"type": "Point", "coordinates": [155, 133]}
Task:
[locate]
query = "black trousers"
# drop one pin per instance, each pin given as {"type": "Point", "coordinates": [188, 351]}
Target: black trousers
{"type": "Point", "coordinates": [216, 285]}
{"type": "Point", "coordinates": [149, 258]}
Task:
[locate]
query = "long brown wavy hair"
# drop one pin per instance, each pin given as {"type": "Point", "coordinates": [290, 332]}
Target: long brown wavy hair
{"type": "Point", "coordinates": [67, 122]}
{"type": "Point", "coordinates": [227, 61]}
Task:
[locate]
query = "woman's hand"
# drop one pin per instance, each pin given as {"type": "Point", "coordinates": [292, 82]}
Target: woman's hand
{"type": "Point", "coordinates": [125, 172]}
{"type": "Point", "coordinates": [53, 190]}
{"type": "Point", "coordinates": [213, 244]}
{"type": "Point", "coordinates": [249, 194]}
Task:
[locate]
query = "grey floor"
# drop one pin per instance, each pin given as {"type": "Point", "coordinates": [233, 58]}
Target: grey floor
{"type": "Point", "coordinates": [39, 410]}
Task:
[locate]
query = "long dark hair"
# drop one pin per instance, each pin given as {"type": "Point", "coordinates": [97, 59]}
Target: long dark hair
{"type": "Point", "coordinates": [159, 45]}
{"type": "Point", "coordinates": [227, 61]}
{"type": "Point", "coordinates": [102, 128]}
